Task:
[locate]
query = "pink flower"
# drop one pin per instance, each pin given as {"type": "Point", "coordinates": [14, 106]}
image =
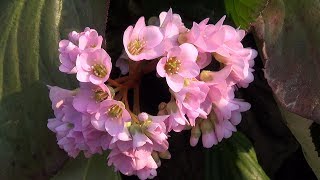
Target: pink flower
{"type": "Point", "coordinates": [68, 55]}
{"type": "Point", "coordinates": [143, 42]}
{"type": "Point", "coordinates": [111, 117]}
{"type": "Point", "coordinates": [149, 129]}
{"type": "Point", "coordinates": [171, 25]}
{"type": "Point", "coordinates": [59, 97]}
{"type": "Point", "coordinates": [180, 63]}
{"type": "Point", "coordinates": [240, 64]}
{"type": "Point", "coordinates": [191, 96]}
{"type": "Point", "coordinates": [89, 97]}
{"type": "Point", "coordinates": [73, 129]}
{"type": "Point", "coordinates": [94, 66]}
{"type": "Point", "coordinates": [203, 59]}
{"type": "Point", "coordinates": [206, 37]}
{"type": "Point", "coordinates": [232, 53]}
{"type": "Point", "coordinates": [89, 39]}
{"type": "Point", "coordinates": [177, 120]}
{"type": "Point", "coordinates": [170, 18]}
{"type": "Point", "coordinates": [133, 161]}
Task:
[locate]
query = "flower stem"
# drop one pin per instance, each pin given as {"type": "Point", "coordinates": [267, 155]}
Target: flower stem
{"type": "Point", "coordinates": [114, 83]}
{"type": "Point", "coordinates": [122, 79]}
{"type": "Point", "coordinates": [136, 99]}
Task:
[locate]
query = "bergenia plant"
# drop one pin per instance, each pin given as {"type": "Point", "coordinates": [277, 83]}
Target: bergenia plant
{"type": "Point", "coordinates": [97, 116]}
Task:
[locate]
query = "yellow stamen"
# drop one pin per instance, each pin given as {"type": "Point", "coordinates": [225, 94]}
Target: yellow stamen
{"type": "Point", "coordinates": [136, 46]}
{"type": "Point", "coordinates": [99, 70]}
{"type": "Point", "coordinates": [172, 65]}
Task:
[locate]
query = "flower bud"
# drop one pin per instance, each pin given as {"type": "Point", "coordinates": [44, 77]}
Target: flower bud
{"type": "Point", "coordinates": [162, 106]}
{"type": "Point", "coordinates": [156, 158]}
{"type": "Point", "coordinates": [209, 139]}
{"type": "Point", "coordinates": [206, 126]}
{"type": "Point", "coordinates": [143, 116]}
{"type": "Point", "coordinates": [165, 155]}
{"type": "Point", "coordinates": [195, 135]}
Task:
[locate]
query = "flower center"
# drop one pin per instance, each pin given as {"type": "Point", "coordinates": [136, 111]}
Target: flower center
{"type": "Point", "coordinates": [99, 70]}
{"type": "Point", "coordinates": [136, 46]}
{"type": "Point", "coordinates": [172, 66]}
{"type": "Point", "coordinates": [100, 95]}
{"type": "Point", "coordinates": [115, 111]}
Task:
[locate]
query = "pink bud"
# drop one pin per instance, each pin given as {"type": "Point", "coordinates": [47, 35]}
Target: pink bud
{"type": "Point", "coordinates": [209, 139]}
{"type": "Point", "coordinates": [143, 116]}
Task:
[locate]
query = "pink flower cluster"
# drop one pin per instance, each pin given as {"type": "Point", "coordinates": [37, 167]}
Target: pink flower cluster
{"type": "Point", "coordinates": [96, 117]}
{"type": "Point", "coordinates": [202, 99]}
{"type": "Point", "coordinates": [89, 119]}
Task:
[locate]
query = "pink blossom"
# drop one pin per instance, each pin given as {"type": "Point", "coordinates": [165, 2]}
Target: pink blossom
{"type": "Point", "coordinates": [111, 117]}
{"type": "Point", "coordinates": [206, 37]}
{"type": "Point", "coordinates": [180, 63]}
{"type": "Point", "coordinates": [73, 129]}
{"type": "Point", "coordinates": [68, 55]}
{"type": "Point", "coordinates": [177, 120]}
{"type": "Point", "coordinates": [149, 129]}
{"type": "Point", "coordinates": [89, 39]}
{"type": "Point", "coordinates": [59, 97]}
{"type": "Point", "coordinates": [133, 161]}
{"type": "Point", "coordinates": [241, 65]}
{"type": "Point", "coordinates": [89, 97]}
{"type": "Point", "coordinates": [143, 42]}
{"type": "Point", "coordinates": [94, 66]}
{"type": "Point", "coordinates": [232, 53]}
{"type": "Point", "coordinates": [191, 96]}
{"type": "Point", "coordinates": [168, 17]}
{"type": "Point", "coordinates": [171, 25]}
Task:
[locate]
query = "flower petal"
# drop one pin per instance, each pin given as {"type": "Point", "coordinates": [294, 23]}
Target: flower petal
{"type": "Point", "coordinates": [175, 82]}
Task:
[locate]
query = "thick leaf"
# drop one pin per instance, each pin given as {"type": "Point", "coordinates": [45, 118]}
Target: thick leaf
{"type": "Point", "coordinates": [308, 135]}
{"type": "Point", "coordinates": [94, 168]}
{"type": "Point", "coordinates": [288, 35]}
{"type": "Point", "coordinates": [29, 35]}
{"type": "Point", "coordinates": [235, 159]}
{"type": "Point", "coordinates": [244, 12]}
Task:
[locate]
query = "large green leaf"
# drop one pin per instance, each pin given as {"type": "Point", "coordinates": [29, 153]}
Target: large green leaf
{"type": "Point", "coordinates": [234, 159]}
{"type": "Point", "coordinates": [288, 36]}
{"type": "Point", "coordinates": [87, 169]}
{"type": "Point", "coordinates": [29, 35]}
{"type": "Point", "coordinates": [244, 12]}
{"type": "Point", "coordinates": [307, 133]}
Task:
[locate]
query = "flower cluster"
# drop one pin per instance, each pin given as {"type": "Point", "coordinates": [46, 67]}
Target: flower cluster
{"type": "Point", "coordinates": [96, 116]}
{"type": "Point", "coordinates": [201, 99]}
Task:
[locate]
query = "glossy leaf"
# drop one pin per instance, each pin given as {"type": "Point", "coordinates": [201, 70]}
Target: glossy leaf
{"type": "Point", "coordinates": [307, 133]}
{"type": "Point", "coordinates": [29, 36]}
{"type": "Point", "coordinates": [235, 159]}
{"type": "Point", "coordinates": [244, 12]}
{"type": "Point", "coordinates": [288, 35]}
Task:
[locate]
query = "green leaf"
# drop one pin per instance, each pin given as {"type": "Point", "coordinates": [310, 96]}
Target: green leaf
{"type": "Point", "coordinates": [307, 133]}
{"type": "Point", "coordinates": [94, 168]}
{"type": "Point", "coordinates": [235, 159]}
{"type": "Point", "coordinates": [29, 35]}
{"type": "Point", "coordinates": [244, 12]}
